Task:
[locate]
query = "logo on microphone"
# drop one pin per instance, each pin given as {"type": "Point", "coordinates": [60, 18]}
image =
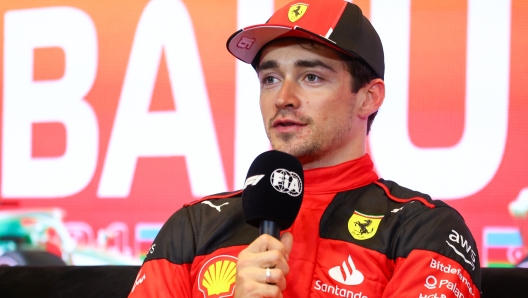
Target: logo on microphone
{"type": "Point", "coordinates": [253, 180]}
{"type": "Point", "coordinates": [286, 182]}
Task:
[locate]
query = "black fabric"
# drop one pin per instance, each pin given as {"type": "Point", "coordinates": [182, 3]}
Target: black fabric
{"type": "Point", "coordinates": [116, 281]}
{"type": "Point", "coordinates": [360, 39]}
{"type": "Point", "coordinates": [67, 281]}
{"type": "Point", "coordinates": [502, 282]}
{"type": "Point", "coordinates": [223, 228]}
{"type": "Point", "coordinates": [406, 228]}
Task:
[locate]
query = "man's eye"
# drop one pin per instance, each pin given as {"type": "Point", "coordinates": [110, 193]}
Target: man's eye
{"type": "Point", "coordinates": [269, 80]}
{"type": "Point", "coordinates": [312, 78]}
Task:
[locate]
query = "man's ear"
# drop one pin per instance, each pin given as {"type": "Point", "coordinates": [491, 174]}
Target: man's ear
{"type": "Point", "coordinates": [375, 94]}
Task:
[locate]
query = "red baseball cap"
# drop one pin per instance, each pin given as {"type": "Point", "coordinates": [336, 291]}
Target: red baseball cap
{"type": "Point", "coordinates": [336, 23]}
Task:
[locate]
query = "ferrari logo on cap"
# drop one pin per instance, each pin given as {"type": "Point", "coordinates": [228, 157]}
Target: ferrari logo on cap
{"type": "Point", "coordinates": [297, 11]}
{"type": "Point", "coordinates": [362, 226]}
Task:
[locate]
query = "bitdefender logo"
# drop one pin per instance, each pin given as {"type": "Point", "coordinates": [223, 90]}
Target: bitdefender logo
{"type": "Point", "coordinates": [286, 182]}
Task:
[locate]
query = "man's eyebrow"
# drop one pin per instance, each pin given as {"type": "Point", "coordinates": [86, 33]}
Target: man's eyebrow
{"type": "Point", "coordinates": [312, 64]}
{"type": "Point", "coordinates": [299, 63]}
{"type": "Point", "coordinates": [267, 65]}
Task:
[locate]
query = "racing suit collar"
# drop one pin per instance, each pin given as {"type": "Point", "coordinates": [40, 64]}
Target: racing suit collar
{"type": "Point", "coordinates": [345, 176]}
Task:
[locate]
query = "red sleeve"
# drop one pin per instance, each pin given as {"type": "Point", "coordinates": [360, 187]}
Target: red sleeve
{"type": "Point", "coordinates": [430, 275]}
{"type": "Point", "coordinates": [161, 278]}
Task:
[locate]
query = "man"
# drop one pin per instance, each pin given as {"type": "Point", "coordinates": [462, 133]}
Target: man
{"type": "Point", "coordinates": [320, 66]}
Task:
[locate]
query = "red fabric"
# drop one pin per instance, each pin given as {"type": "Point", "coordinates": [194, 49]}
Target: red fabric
{"type": "Point", "coordinates": [428, 274]}
{"type": "Point", "coordinates": [320, 267]}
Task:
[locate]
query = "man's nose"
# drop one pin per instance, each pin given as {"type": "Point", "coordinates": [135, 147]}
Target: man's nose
{"type": "Point", "coordinates": [288, 97]}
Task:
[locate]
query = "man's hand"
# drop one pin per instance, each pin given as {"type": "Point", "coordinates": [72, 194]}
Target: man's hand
{"type": "Point", "coordinates": [264, 252]}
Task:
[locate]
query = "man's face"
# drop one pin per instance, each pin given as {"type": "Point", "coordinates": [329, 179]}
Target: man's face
{"type": "Point", "coordinates": [307, 102]}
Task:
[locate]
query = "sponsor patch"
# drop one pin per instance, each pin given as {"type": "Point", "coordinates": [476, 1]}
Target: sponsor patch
{"type": "Point", "coordinates": [447, 268]}
{"type": "Point", "coordinates": [336, 290]}
{"type": "Point", "coordinates": [151, 250]}
{"type": "Point", "coordinates": [296, 11]}
{"type": "Point", "coordinates": [435, 295]}
{"type": "Point", "coordinates": [217, 277]}
{"type": "Point", "coordinates": [139, 280]}
{"type": "Point", "coordinates": [362, 226]}
{"type": "Point", "coordinates": [347, 273]}
{"type": "Point", "coordinates": [432, 282]}
{"type": "Point", "coordinates": [461, 247]}
{"type": "Point", "coordinates": [215, 206]}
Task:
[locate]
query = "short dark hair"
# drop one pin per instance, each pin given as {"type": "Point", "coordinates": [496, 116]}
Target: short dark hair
{"type": "Point", "coordinates": [361, 75]}
{"type": "Point", "coordinates": [360, 71]}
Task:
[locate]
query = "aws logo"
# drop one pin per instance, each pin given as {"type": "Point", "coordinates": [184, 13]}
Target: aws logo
{"type": "Point", "coordinates": [217, 277]}
{"type": "Point", "coordinates": [362, 226]}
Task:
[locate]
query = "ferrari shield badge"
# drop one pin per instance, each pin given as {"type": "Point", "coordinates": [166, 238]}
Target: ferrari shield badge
{"type": "Point", "coordinates": [362, 226]}
{"type": "Point", "coordinates": [297, 11]}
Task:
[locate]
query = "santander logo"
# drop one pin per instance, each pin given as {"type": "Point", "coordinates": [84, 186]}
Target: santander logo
{"type": "Point", "coordinates": [347, 273]}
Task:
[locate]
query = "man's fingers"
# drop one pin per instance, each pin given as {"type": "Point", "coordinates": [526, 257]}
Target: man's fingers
{"type": "Point", "coordinates": [264, 243]}
{"type": "Point", "coordinates": [262, 267]}
{"type": "Point", "coordinates": [276, 278]}
{"type": "Point", "coordinates": [287, 241]}
{"type": "Point", "coordinates": [267, 259]}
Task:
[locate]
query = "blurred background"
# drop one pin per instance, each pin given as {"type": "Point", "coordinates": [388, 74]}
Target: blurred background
{"type": "Point", "coordinates": [114, 114]}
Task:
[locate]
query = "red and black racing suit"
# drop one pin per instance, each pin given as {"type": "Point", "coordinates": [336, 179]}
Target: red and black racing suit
{"type": "Point", "coordinates": [355, 236]}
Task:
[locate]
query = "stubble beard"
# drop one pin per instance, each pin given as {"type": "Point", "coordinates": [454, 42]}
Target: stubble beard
{"type": "Point", "coordinates": [306, 150]}
{"type": "Point", "coordinates": [313, 145]}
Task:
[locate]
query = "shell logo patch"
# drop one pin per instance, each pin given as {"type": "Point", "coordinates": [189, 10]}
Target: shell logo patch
{"type": "Point", "coordinates": [296, 11]}
{"type": "Point", "coordinates": [217, 277]}
{"type": "Point", "coordinates": [362, 226]}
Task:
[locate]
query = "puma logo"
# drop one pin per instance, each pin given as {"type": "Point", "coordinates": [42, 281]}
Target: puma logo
{"type": "Point", "coordinates": [214, 206]}
{"type": "Point", "coordinates": [396, 210]}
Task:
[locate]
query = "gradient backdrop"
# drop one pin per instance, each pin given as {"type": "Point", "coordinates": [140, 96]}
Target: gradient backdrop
{"type": "Point", "coordinates": [119, 112]}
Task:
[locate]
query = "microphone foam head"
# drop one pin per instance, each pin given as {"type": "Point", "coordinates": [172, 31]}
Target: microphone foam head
{"type": "Point", "coordinates": [273, 190]}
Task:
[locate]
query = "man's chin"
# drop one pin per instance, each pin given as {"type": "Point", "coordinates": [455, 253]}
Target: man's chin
{"type": "Point", "coordinates": [285, 148]}
{"type": "Point", "coordinates": [296, 150]}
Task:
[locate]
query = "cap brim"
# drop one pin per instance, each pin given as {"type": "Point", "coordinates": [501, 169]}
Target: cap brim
{"type": "Point", "coordinates": [246, 43]}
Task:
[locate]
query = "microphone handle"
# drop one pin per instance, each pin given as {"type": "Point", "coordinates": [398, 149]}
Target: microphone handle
{"type": "Point", "coordinates": [270, 227]}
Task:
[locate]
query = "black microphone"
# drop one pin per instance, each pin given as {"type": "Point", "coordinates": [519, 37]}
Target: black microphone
{"type": "Point", "coordinates": [273, 192]}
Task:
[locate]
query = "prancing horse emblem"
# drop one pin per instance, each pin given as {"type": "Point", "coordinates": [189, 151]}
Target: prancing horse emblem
{"type": "Point", "coordinates": [363, 226]}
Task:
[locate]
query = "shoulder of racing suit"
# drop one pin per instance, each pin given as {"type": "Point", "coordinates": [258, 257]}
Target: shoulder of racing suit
{"type": "Point", "coordinates": [410, 221]}
{"type": "Point", "coordinates": [201, 227]}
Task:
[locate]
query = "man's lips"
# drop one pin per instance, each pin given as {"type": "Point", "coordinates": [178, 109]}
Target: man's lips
{"type": "Point", "coordinates": [287, 125]}
{"type": "Point", "coordinates": [286, 122]}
